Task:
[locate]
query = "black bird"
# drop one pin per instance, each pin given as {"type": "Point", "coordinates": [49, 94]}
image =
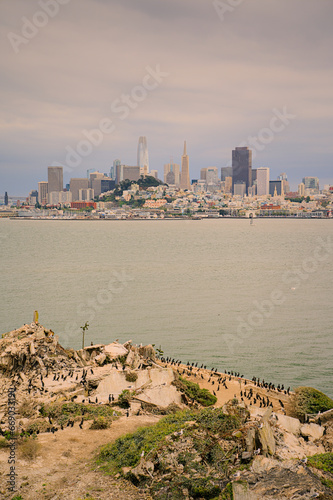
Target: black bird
{"type": "Point", "coordinates": [50, 420]}
{"type": "Point", "coordinates": [92, 371]}
{"type": "Point", "coordinates": [96, 400]}
{"type": "Point", "coordinates": [81, 423]}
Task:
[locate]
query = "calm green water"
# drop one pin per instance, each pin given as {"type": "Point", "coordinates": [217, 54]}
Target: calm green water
{"type": "Point", "coordinates": [197, 288]}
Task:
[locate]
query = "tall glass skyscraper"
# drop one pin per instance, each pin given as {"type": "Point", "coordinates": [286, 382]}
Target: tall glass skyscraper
{"type": "Point", "coordinates": [242, 166]}
{"type": "Point", "coordinates": [143, 158]}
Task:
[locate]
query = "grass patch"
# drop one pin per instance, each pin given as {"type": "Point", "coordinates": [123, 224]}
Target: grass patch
{"type": "Point", "coordinates": [100, 423]}
{"type": "Point", "coordinates": [322, 461]}
{"type": "Point", "coordinates": [193, 391]}
{"type": "Point", "coordinates": [60, 413]}
{"type": "Point", "coordinates": [29, 449]}
{"type": "Point", "coordinates": [4, 443]}
{"type": "Point", "coordinates": [309, 400]}
{"type": "Point", "coordinates": [126, 450]}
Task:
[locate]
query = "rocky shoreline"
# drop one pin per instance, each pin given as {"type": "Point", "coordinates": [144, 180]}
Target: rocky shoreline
{"type": "Point", "coordinates": [97, 394]}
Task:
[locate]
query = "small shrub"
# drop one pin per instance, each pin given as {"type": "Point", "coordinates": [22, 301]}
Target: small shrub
{"type": "Point", "coordinates": [26, 408]}
{"type": "Point", "coordinates": [100, 423]}
{"type": "Point", "coordinates": [309, 400]}
{"type": "Point", "coordinates": [322, 461]}
{"type": "Point", "coordinates": [124, 399]}
{"type": "Point", "coordinates": [29, 449]}
{"type": "Point", "coordinates": [193, 391]}
{"type": "Point", "coordinates": [131, 376]}
{"type": "Point", "coordinates": [4, 443]}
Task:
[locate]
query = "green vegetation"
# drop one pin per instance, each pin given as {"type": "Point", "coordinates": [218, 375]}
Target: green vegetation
{"type": "Point", "coordinates": [60, 413]}
{"type": "Point", "coordinates": [4, 443]}
{"type": "Point", "coordinates": [125, 398]}
{"type": "Point", "coordinates": [100, 423]}
{"type": "Point", "coordinates": [323, 461]}
{"type": "Point", "coordinates": [308, 400]}
{"type": "Point", "coordinates": [126, 451]}
{"type": "Point", "coordinates": [193, 391]}
{"type": "Point", "coordinates": [131, 376]}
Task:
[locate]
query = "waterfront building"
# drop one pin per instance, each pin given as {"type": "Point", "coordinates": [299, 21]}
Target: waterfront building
{"type": "Point", "coordinates": [142, 156]}
{"type": "Point", "coordinates": [43, 192]}
{"type": "Point", "coordinates": [262, 181]}
{"type": "Point", "coordinates": [185, 172]}
{"type": "Point", "coordinates": [242, 166]}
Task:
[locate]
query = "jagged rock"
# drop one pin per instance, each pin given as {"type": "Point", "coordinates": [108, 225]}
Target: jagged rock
{"type": "Point", "coordinates": [100, 359]}
{"type": "Point", "coordinates": [250, 440]}
{"type": "Point", "coordinates": [241, 491]}
{"type": "Point", "coordinates": [143, 471]}
{"type": "Point", "coordinates": [266, 438]}
{"type": "Point", "coordinates": [147, 352]}
{"type": "Point", "coordinates": [290, 424]}
{"type": "Point", "coordinates": [312, 431]}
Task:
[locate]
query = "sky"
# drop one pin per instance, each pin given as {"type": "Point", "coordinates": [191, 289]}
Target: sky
{"type": "Point", "coordinates": [81, 80]}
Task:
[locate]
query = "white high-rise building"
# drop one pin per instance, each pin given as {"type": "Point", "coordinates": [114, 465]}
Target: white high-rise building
{"type": "Point", "coordinates": [143, 158]}
{"type": "Point", "coordinates": [262, 181]}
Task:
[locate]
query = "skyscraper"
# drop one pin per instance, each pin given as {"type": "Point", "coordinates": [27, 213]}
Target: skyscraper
{"type": "Point", "coordinates": [311, 183]}
{"type": "Point", "coordinates": [262, 181]}
{"type": "Point", "coordinates": [226, 172]}
{"type": "Point", "coordinates": [185, 173]}
{"type": "Point", "coordinates": [172, 173]}
{"type": "Point", "coordinates": [143, 158]}
{"type": "Point", "coordinates": [55, 179]}
{"type": "Point", "coordinates": [42, 192]}
{"type": "Point", "coordinates": [242, 166]}
{"type": "Point", "coordinates": [6, 198]}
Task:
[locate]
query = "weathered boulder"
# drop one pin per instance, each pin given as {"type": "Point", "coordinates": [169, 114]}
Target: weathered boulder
{"type": "Point", "coordinates": [289, 424]}
{"type": "Point", "coordinates": [312, 431]}
{"type": "Point", "coordinates": [266, 438]}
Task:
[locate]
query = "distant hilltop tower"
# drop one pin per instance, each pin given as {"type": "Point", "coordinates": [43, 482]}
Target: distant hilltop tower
{"type": "Point", "coordinates": [185, 173]}
{"type": "Point", "coordinates": [143, 159]}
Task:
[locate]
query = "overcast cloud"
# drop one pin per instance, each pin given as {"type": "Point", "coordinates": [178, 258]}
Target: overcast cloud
{"type": "Point", "coordinates": [225, 77]}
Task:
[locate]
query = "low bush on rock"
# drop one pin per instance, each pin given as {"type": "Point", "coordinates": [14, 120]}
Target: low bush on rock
{"type": "Point", "coordinates": [131, 376]}
{"type": "Point", "coordinates": [100, 423]}
{"type": "Point", "coordinates": [308, 400]}
{"type": "Point", "coordinates": [323, 461]}
{"type": "Point", "coordinates": [193, 391]}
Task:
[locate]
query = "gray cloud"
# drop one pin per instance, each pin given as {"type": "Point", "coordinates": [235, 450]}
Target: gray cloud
{"type": "Point", "coordinates": [224, 80]}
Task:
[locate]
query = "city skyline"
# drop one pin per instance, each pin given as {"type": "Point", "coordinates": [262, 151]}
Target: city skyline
{"type": "Point", "coordinates": [252, 76]}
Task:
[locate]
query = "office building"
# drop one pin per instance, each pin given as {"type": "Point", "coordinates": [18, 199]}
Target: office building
{"type": "Point", "coordinates": [311, 183]}
{"type": "Point", "coordinates": [240, 189]}
{"type": "Point", "coordinates": [185, 172]}
{"type": "Point", "coordinates": [154, 173]}
{"type": "Point", "coordinates": [242, 166]}
{"type": "Point", "coordinates": [226, 172]}
{"type": "Point", "coordinates": [55, 179]}
{"type": "Point", "coordinates": [228, 185]}
{"type": "Point", "coordinates": [286, 187]}
{"type": "Point", "coordinates": [262, 181]}
{"type": "Point", "coordinates": [301, 189]}
{"type": "Point", "coordinates": [142, 156]}
{"type": "Point", "coordinates": [42, 193]}
{"type": "Point", "coordinates": [59, 197]}
{"type": "Point", "coordinates": [76, 184]}
{"type": "Point", "coordinates": [172, 173]}
{"type": "Point", "coordinates": [113, 169]}
{"type": "Point", "coordinates": [132, 173]}
{"type": "Point", "coordinates": [86, 195]}
{"type": "Point", "coordinates": [102, 185]}
{"type": "Point", "coordinates": [33, 197]}
{"type": "Point", "coordinates": [276, 188]}
{"type": "Point", "coordinates": [6, 198]}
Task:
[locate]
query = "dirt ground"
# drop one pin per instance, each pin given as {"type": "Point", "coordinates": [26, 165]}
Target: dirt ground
{"type": "Point", "coordinates": [63, 469]}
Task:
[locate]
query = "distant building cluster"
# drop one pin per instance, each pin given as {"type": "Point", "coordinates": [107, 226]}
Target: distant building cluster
{"type": "Point", "coordinates": [237, 185]}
